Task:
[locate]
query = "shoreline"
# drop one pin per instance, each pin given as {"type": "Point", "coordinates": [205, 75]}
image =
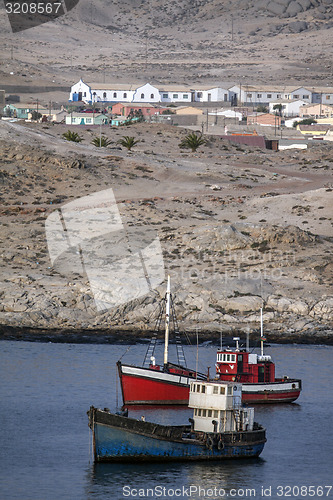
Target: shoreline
{"type": "Point", "coordinates": [136, 335]}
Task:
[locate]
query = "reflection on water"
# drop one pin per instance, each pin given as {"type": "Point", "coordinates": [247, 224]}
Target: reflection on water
{"type": "Point", "coordinates": [103, 478]}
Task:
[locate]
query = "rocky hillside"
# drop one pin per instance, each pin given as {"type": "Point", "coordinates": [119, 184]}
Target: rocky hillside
{"type": "Point", "coordinates": [182, 42]}
{"type": "Point", "coordinates": [239, 229]}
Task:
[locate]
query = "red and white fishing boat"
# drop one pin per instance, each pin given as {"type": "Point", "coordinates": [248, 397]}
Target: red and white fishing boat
{"type": "Point", "coordinates": [169, 384]}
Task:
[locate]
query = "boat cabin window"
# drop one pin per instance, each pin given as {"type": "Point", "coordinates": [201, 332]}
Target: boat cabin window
{"type": "Point", "coordinates": [222, 390]}
{"type": "Point", "coordinates": [209, 413]}
{"type": "Point", "coordinates": [199, 412]}
{"type": "Point", "coordinates": [203, 388]}
{"type": "Point", "coordinates": [226, 358]}
{"type": "Point", "coordinates": [216, 413]}
{"type": "Point", "coordinates": [215, 389]}
{"type": "Point", "coordinates": [203, 413]}
{"type": "Point", "coordinates": [230, 390]}
{"type": "Point", "coordinates": [198, 388]}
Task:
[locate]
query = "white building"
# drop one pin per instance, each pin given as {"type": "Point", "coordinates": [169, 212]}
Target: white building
{"type": "Point", "coordinates": [256, 95]}
{"type": "Point", "coordinates": [322, 95]}
{"type": "Point", "coordinates": [289, 107]}
{"type": "Point", "coordinates": [101, 92]}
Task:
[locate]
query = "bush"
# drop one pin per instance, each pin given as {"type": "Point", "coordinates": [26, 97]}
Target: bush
{"type": "Point", "coordinates": [306, 121]}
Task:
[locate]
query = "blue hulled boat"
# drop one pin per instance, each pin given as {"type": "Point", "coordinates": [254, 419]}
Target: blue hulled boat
{"type": "Point", "coordinates": [220, 429]}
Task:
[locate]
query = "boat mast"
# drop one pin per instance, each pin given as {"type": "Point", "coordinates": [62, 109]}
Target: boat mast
{"type": "Point", "coordinates": [167, 321]}
{"type": "Point", "coordinates": [261, 334]}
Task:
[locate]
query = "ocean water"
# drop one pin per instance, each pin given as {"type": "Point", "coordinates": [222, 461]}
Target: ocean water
{"type": "Point", "coordinates": [46, 445]}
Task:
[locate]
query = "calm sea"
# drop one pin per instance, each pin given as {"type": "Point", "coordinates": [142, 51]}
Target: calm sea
{"type": "Point", "coordinates": [46, 448]}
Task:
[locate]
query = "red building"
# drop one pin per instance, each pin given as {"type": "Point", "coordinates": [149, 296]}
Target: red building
{"type": "Point", "coordinates": [126, 109]}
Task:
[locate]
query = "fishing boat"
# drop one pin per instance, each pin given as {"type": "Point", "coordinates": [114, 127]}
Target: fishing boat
{"type": "Point", "coordinates": [151, 383]}
{"type": "Point", "coordinates": [256, 372]}
{"type": "Point", "coordinates": [169, 384]}
{"type": "Point", "coordinates": [220, 429]}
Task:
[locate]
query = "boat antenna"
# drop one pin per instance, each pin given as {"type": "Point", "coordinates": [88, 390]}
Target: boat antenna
{"type": "Point", "coordinates": [262, 338]}
{"type": "Point", "coordinates": [247, 340]}
{"type": "Point", "coordinates": [167, 321]}
{"type": "Point", "coordinates": [197, 359]}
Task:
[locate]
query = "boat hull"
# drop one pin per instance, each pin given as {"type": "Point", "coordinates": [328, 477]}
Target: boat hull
{"type": "Point", "coordinates": [147, 386]}
{"type": "Point", "coordinates": [122, 439]}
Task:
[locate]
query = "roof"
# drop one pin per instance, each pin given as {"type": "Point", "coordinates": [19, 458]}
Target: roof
{"type": "Point", "coordinates": [85, 115]}
{"type": "Point", "coordinates": [323, 90]}
{"type": "Point", "coordinates": [267, 88]}
{"type": "Point", "coordinates": [24, 106]}
{"type": "Point", "coordinates": [286, 101]}
{"type": "Point", "coordinates": [137, 105]}
{"type": "Point", "coordinates": [173, 88]}
{"type": "Point", "coordinates": [314, 128]}
{"type": "Point", "coordinates": [114, 86]}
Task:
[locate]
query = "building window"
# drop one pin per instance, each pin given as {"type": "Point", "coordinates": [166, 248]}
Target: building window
{"type": "Point", "coordinates": [104, 95]}
{"type": "Point", "coordinates": [199, 412]}
{"type": "Point", "coordinates": [185, 96]}
{"type": "Point", "coordinates": [84, 94]}
{"type": "Point", "coordinates": [199, 95]}
{"type": "Point", "coordinates": [151, 96]}
{"type": "Point", "coordinates": [209, 413]}
{"type": "Point", "coordinates": [278, 96]}
{"type": "Point", "coordinates": [203, 413]}
{"type": "Point", "coordinates": [229, 390]}
{"type": "Point", "coordinates": [114, 94]}
{"type": "Point", "coordinates": [165, 96]}
{"type": "Point", "coordinates": [203, 389]}
{"type": "Point", "coordinates": [269, 96]}
{"type": "Point", "coordinates": [215, 389]}
{"type": "Point", "coordinates": [296, 96]}
{"type": "Point", "coordinates": [328, 97]}
{"type": "Point", "coordinates": [88, 120]}
{"type": "Point", "coordinates": [125, 94]}
{"type": "Point", "coordinates": [222, 390]}
{"type": "Point", "coordinates": [249, 96]}
{"type": "Point", "coordinates": [216, 413]}
{"type": "Point", "coordinates": [306, 96]}
{"type": "Point", "coordinates": [175, 96]}
{"type": "Point", "coordinates": [142, 96]}
{"type": "Point", "coordinates": [198, 388]}
{"type": "Point", "coordinates": [259, 96]}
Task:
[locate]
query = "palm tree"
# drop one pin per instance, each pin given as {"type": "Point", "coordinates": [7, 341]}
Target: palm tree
{"type": "Point", "coordinates": [101, 142]}
{"type": "Point", "coordinates": [72, 136]}
{"type": "Point", "coordinates": [192, 141]}
{"type": "Point", "coordinates": [128, 142]}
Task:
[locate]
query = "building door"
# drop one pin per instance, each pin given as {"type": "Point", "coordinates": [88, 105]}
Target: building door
{"type": "Point", "coordinates": [80, 96]}
{"type": "Point", "coordinates": [209, 97]}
